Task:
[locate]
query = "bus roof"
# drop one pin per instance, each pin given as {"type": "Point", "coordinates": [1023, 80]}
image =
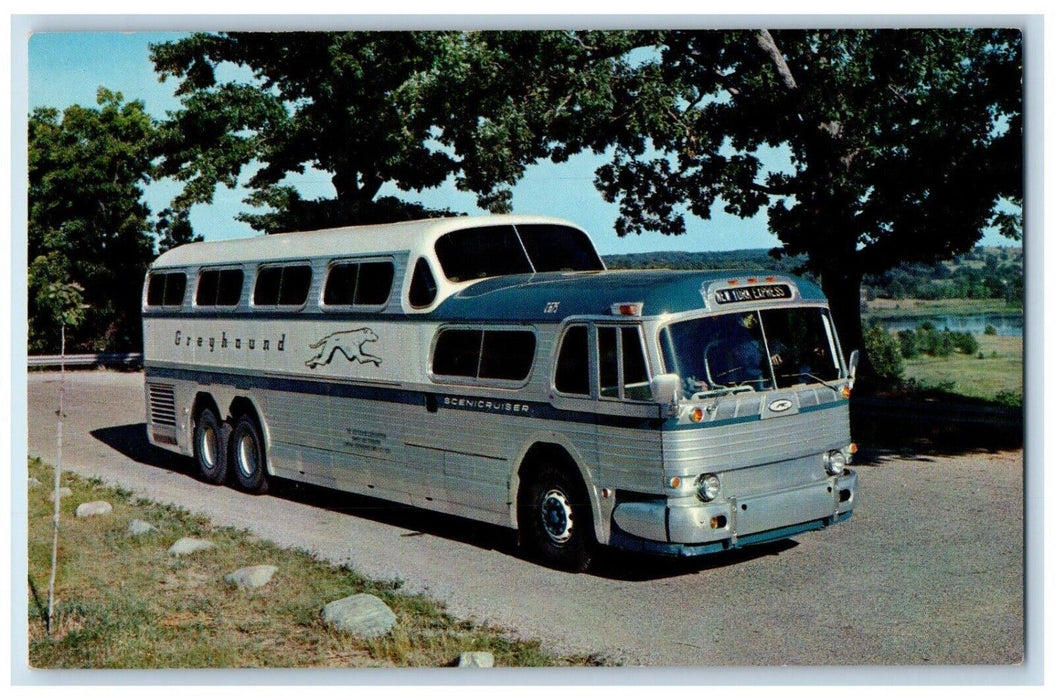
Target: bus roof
{"type": "Point", "coordinates": [531, 298]}
{"type": "Point", "coordinates": [415, 236]}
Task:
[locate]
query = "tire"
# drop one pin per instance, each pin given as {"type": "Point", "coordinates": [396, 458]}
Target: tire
{"type": "Point", "coordinates": [554, 520]}
{"type": "Point", "coordinates": [247, 456]}
{"type": "Point", "coordinates": [210, 447]}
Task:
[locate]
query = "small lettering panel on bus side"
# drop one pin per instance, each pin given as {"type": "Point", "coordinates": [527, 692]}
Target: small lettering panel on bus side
{"type": "Point", "coordinates": [757, 293]}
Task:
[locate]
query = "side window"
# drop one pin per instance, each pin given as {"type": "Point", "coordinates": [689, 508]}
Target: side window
{"type": "Point", "coordinates": [635, 369]}
{"type": "Point", "coordinates": [219, 288]}
{"type": "Point", "coordinates": [622, 371]}
{"type": "Point", "coordinates": [166, 289]}
{"type": "Point", "coordinates": [502, 355]}
{"type": "Point", "coordinates": [457, 353]}
{"type": "Point", "coordinates": [507, 355]}
{"type": "Point", "coordinates": [422, 285]}
{"type": "Point", "coordinates": [282, 285]}
{"type": "Point", "coordinates": [358, 284]}
{"type": "Point", "coordinates": [573, 362]}
{"type": "Point", "coordinates": [375, 283]}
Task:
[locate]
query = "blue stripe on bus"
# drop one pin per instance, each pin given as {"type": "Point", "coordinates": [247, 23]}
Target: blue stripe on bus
{"type": "Point", "coordinates": [446, 400]}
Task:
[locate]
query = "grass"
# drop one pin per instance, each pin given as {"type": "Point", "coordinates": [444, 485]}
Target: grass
{"type": "Point", "coordinates": [907, 308]}
{"type": "Point", "coordinates": [123, 602]}
{"type": "Point", "coordinates": [997, 374]}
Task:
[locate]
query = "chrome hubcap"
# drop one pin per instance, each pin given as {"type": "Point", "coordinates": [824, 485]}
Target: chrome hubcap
{"type": "Point", "coordinates": [247, 456]}
{"type": "Point", "coordinates": [556, 516]}
{"type": "Point", "coordinates": [208, 447]}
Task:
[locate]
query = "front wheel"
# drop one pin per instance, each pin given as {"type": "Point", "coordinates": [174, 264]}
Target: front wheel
{"type": "Point", "coordinates": [248, 457]}
{"type": "Point", "coordinates": [210, 447]}
{"type": "Point", "coordinates": [554, 520]}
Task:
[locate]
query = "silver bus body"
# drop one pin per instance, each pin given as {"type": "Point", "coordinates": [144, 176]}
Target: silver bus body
{"type": "Point", "coordinates": [404, 370]}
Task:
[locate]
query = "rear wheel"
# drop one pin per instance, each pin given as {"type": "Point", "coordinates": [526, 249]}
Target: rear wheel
{"type": "Point", "coordinates": [210, 447]}
{"type": "Point", "coordinates": [554, 520]}
{"type": "Point", "coordinates": [247, 456]}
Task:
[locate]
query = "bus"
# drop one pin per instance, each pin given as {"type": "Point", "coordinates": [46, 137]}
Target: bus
{"type": "Point", "coordinates": [492, 368]}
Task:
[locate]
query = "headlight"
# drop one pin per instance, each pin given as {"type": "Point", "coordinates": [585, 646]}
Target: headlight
{"type": "Point", "coordinates": [707, 487]}
{"type": "Point", "coordinates": [834, 462]}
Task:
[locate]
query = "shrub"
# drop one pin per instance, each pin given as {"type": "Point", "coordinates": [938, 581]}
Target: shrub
{"type": "Point", "coordinates": [884, 352]}
{"type": "Point", "coordinates": [965, 343]}
{"type": "Point", "coordinates": [990, 329]}
{"type": "Point", "coordinates": [1011, 399]}
{"type": "Point", "coordinates": [909, 344]}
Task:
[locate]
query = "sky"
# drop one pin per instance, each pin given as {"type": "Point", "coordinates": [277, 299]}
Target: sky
{"type": "Point", "coordinates": [66, 68]}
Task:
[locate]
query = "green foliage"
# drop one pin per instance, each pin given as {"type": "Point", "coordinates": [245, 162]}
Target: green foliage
{"type": "Point", "coordinates": [928, 341]}
{"type": "Point", "coordinates": [89, 232]}
{"type": "Point", "coordinates": [1009, 398]}
{"type": "Point", "coordinates": [884, 353]}
{"type": "Point", "coordinates": [978, 274]}
{"type": "Point", "coordinates": [990, 329]}
{"type": "Point", "coordinates": [379, 109]}
{"type": "Point", "coordinates": [909, 344]}
{"type": "Point", "coordinates": [900, 144]}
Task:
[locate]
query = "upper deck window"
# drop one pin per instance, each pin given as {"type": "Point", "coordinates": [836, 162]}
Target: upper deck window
{"type": "Point", "coordinates": [219, 287]}
{"type": "Point", "coordinates": [555, 248]}
{"type": "Point", "coordinates": [282, 285]}
{"type": "Point", "coordinates": [358, 284]}
{"type": "Point", "coordinates": [504, 355]}
{"type": "Point", "coordinates": [166, 288]}
{"type": "Point", "coordinates": [493, 251]}
{"type": "Point", "coordinates": [475, 253]}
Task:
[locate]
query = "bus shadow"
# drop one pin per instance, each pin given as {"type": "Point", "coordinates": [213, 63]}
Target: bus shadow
{"type": "Point", "coordinates": [131, 442]}
{"type": "Point", "coordinates": [636, 567]}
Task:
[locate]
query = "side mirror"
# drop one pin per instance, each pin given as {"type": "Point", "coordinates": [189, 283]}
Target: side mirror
{"type": "Point", "coordinates": [851, 369]}
{"type": "Point", "coordinates": [666, 389]}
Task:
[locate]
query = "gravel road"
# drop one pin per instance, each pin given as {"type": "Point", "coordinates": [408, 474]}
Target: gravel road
{"type": "Point", "coordinates": [929, 571]}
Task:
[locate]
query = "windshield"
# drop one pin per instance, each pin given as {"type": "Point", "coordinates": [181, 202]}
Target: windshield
{"type": "Point", "coordinates": [752, 350]}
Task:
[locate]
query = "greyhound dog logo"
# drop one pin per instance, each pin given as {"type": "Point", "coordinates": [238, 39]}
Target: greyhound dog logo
{"type": "Point", "coordinates": [348, 343]}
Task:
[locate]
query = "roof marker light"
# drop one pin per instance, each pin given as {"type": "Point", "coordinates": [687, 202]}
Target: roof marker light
{"type": "Point", "coordinates": [628, 308]}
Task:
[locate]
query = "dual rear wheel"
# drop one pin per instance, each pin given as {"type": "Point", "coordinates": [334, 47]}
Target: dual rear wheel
{"type": "Point", "coordinates": [220, 448]}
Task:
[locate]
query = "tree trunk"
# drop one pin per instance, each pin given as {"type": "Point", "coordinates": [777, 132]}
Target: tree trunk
{"type": "Point", "coordinates": [843, 289]}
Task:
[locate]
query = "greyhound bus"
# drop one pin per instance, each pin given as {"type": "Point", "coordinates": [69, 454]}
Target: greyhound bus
{"type": "Point", "coordinates": [492, 368]}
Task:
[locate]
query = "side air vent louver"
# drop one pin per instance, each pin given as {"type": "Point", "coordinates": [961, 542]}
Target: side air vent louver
{"type": "Point", "coordinates": [162, 404]}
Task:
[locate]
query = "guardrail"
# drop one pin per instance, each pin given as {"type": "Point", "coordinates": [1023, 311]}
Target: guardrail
{"type": "Point", "coordinates": [102, 359]}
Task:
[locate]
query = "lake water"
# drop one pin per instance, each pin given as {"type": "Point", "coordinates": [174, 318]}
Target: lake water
{"type": "Point", "coordinates": [1005, 324]}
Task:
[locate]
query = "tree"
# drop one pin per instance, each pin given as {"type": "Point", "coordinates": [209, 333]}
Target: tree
{"type": "Point", "coordinates": [89, 232]}
{"type": "Point", "coordinates": [902, 145]}
{"type": "Point", "coordinates": [376, 109]}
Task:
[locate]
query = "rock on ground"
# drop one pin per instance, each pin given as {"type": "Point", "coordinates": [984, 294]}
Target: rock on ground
{"type": "Point", "coordinates": [251, 576]}
{"type": "Point", "coordinates": [64, 492]}
{"type": "Point", "coordinates": [476, 659]}
{"type": "Point", "coordinates": [189, 545]}
{"type": "Point", "coordinates": [140, 527]}
{"type": "Point", "coordinates": [87, 510]}
{"type": "Point", "coordinates": [361, 615]}
{"type": "Point", "coordinates": [34, 482]}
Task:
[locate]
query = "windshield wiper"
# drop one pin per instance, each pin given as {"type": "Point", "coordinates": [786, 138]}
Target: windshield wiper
{"type": "Point", "coordinates": [814, 377]}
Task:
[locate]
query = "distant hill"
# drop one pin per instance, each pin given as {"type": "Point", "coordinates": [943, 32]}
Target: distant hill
{"type": "Point", "coordinates": [983, 273]}
{"type": "Point", "coordinates": [755, 258]}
